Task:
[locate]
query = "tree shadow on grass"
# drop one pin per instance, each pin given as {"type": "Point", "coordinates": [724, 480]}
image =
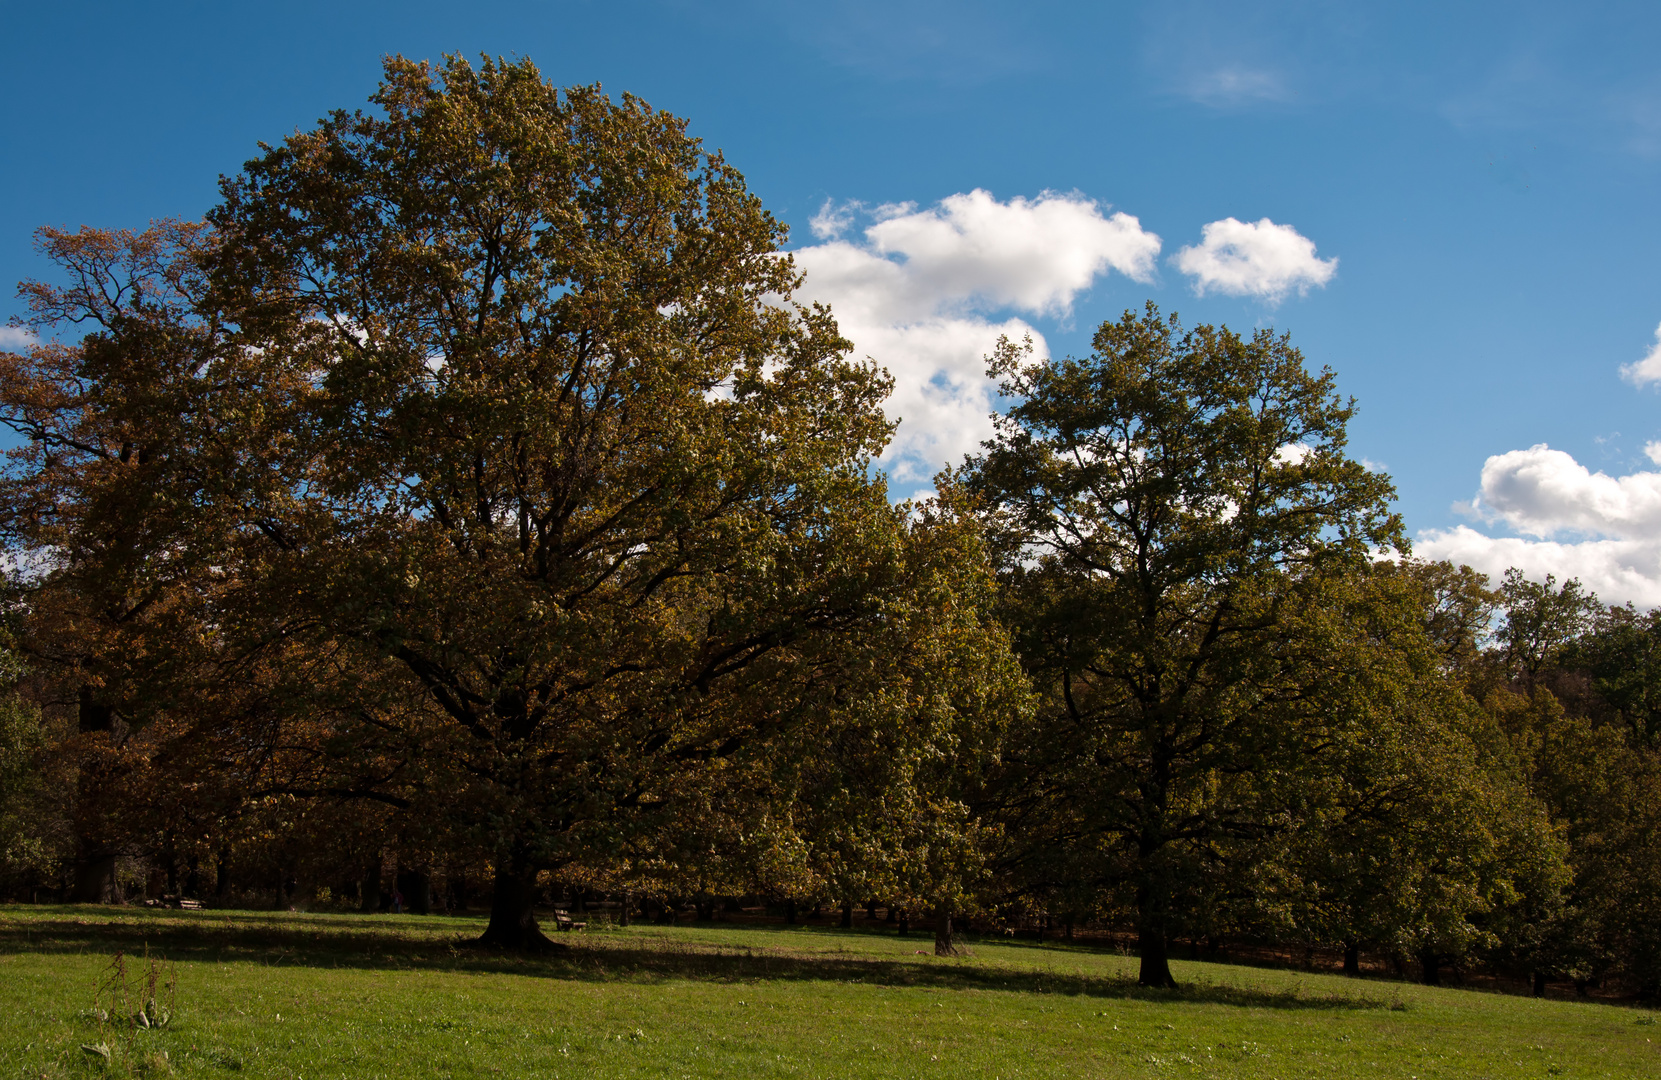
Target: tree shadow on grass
{"type": "Point", "coordinates": [447, 945]}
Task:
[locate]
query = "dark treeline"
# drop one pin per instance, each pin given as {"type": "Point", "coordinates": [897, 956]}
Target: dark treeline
{"type": "Point", "coordinates": [465, 508]}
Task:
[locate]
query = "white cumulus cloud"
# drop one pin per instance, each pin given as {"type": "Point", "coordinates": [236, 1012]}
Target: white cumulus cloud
{"type": "Point", "coordinates": [1575, 523]}
{"type": "Point", "coordinates": [1648, 370]}
{"type": "Point", "coordinates": [1619, 571]}
{"type": "Point", "coordinates": [921, 291]}
{"type": "Point", "coordinates": [1604, 530]}
{"type": "Point", "coordinates": [1259, 258]}
{"type": "Point", "coordinates": [1544, 492]}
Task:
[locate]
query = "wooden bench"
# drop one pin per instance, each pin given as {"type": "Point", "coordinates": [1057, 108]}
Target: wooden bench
{"type": "Point", "coordinates": [175, 902]}
{"type": "Point", "coordinates": [563, 921]}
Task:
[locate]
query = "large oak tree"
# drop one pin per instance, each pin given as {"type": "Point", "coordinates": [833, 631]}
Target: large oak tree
{"type": "Point", "coordinates": [500, 480]}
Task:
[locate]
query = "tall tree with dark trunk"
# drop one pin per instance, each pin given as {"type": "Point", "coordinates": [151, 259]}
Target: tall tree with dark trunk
{"type": "Point", "coordinates": [572, 470]}
{"type": "Point", "coordinates": [1169, 512]}
{"type": "Point", "coordinates": [498, 469]}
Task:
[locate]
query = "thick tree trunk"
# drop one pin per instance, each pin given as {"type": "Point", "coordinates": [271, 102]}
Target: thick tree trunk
{"type": "Point", "coordinates": [790, 913]}
{"type": "Point", "coordinates": [513, 912]}
{"type": "Point", "coordinates": [1352, 958]}
{"type": "Point", "coordinates": [1156, 962]}
{"type": "Point", "coordinates": [847, 915]}
{"type": "Point", "coordinates": [905, 923]}
{"type": "Point", "coordinates": [95, 879]}
{"type": "Point", "coordinates": [417, 887]}
{"type": "Point", "coordinates": [1152, 916]}
{"type": "Point", "coordinates": [870, 911]}
{"type": "Point", "coordinates": [369, 892]}
{"type": "Point", "coordinates": [623, 909]}
{"type": "Point", "coordinates": [1430, 966]}
{"type": "Point", "coordinates": [1539, 984]}
{"type": "Point", "coordinates": [943, 943]}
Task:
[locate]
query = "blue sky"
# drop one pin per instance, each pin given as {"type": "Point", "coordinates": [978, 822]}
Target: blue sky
{"type": "Point", "coordinates": [1484, 175]}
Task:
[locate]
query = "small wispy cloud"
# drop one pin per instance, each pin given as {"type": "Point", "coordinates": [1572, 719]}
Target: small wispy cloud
{"type": "Point", "coordinates": [966, 42]}
{"type": "Point", "coordinates": [16, 337]}
{"type": "Point", "coordinates": [1237, 84]}
{"type": "Point", "coordinates": [833, 219]}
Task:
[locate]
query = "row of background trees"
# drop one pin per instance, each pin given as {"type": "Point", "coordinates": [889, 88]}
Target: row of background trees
{"type": "Point", "coordinates": [467, 485]}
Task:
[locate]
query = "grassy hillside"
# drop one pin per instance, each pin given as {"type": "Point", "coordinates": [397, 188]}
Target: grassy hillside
{"type": "Point", "coordinates": [326, 996]}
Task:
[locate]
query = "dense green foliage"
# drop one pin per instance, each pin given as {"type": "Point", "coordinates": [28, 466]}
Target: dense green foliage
{"type": "Point", "coordinates": [1177, 520]}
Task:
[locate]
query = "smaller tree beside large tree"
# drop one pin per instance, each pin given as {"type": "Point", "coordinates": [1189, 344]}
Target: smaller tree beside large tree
{"type": "Point", "coordinates": [1170, 513]}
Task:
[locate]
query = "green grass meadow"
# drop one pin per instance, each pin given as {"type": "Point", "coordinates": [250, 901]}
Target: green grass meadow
{"type": "Point", "coordinates": [324, 996]}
